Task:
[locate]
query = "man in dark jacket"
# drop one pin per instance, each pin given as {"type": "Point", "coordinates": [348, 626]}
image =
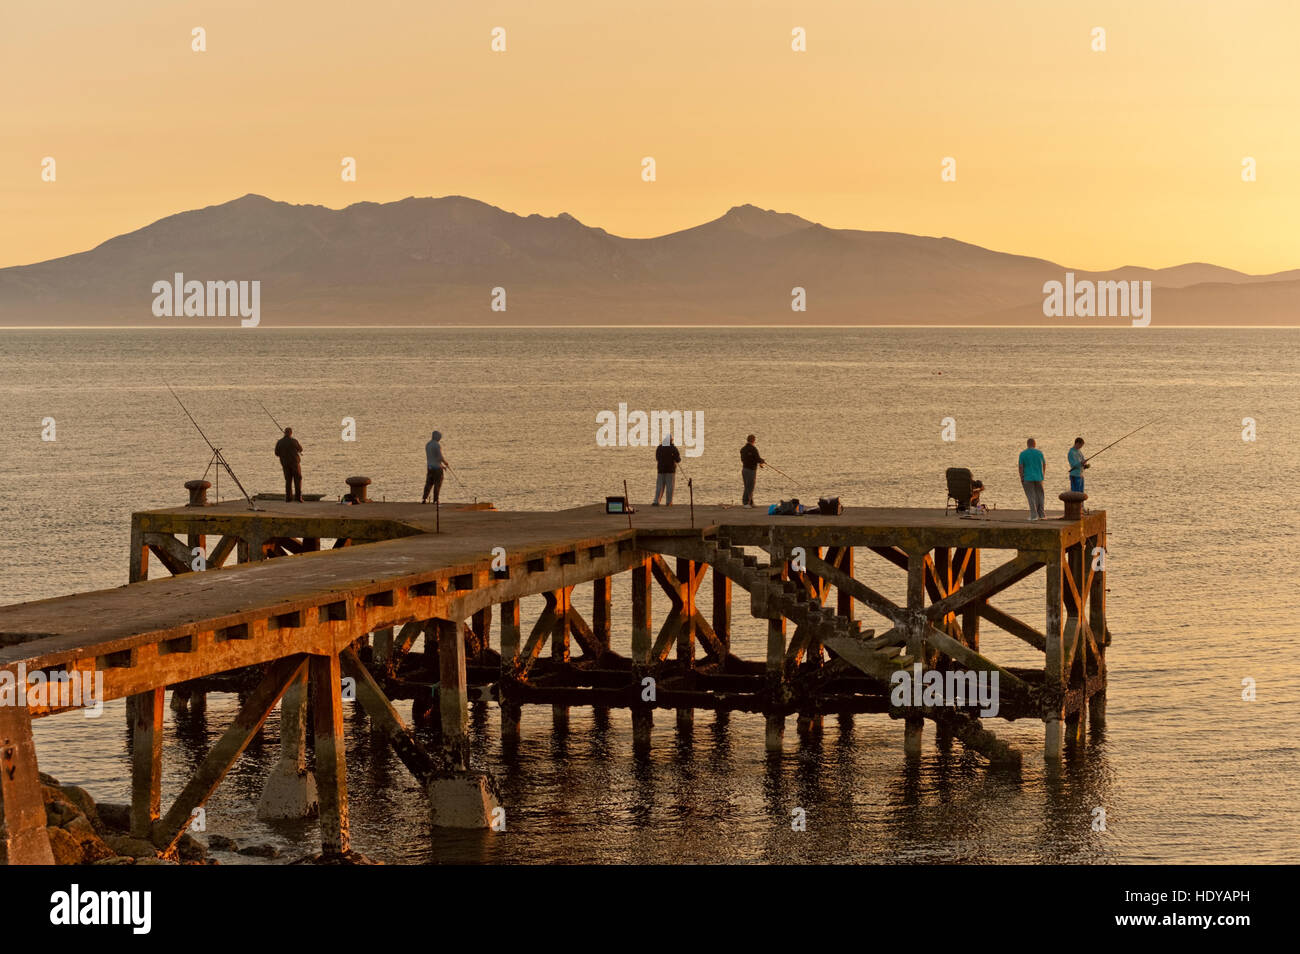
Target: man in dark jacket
{"type": "Point", "coordinates": [289, 451]}
{"type": "Point", "coordinates": [750, 461]}
{"type": "Point", "coordinates": [667, 457]}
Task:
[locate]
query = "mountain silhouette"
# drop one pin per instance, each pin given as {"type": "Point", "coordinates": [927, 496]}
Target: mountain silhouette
{"type": "Point", "coordinates": [437, 261]}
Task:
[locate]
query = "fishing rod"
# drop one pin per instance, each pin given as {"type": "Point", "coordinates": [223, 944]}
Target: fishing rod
{"type": "Point", "coordinates": [1125, 437]}
{"type": "Point", "coordinates": [462, 483]}
{"type": "Point", "coordinates": [216, 451]}
{"type": "Point", "coordinates": [794, 482]}
{"type": "Point", "coordinates": [270, 415]}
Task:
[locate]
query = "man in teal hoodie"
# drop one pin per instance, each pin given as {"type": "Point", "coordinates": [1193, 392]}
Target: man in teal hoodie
{"type": "Point", "coordinates": [1032, 467]}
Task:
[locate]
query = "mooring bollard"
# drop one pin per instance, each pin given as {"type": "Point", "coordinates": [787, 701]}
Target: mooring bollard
{"type": "Point", "coordinates": [198, 492]}
{"type": "Point", "coordinates": [1074, 504]}
{"type": "Point", "coordinates": [357, 489]}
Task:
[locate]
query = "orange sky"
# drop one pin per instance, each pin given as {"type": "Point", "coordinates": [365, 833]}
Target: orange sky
{"type": "Point", "coordinates": [1095, 160]}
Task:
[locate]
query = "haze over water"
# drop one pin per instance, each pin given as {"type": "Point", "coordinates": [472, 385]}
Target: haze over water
{"type": "Point", "coordinates": [1202, 549]}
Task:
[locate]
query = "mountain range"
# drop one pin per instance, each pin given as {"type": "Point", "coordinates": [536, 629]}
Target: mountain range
{"type": "Point", "coordinates": [437, 261]}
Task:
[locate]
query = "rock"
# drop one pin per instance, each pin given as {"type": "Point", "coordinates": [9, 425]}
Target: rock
{"type": "Point", "coordinates": [350, 858]}
{"type": "Point", "coordinates": [81, 798]}
{"type": "Point", "coordinates": [261, 851]}
{"type": "Point", "coordinates": [66, 849]}
{"type": "Point", "coordinates": [190, 848]}
{"type": "Point", "coordinates": [154, 861]}
{"type": "Point", "coordinates": [93, 851]}
{"type": "Point", "coordinates": [113, 816]}
{"type": "Point", "coordinates": [49, 780]}
{"type": "Point", "coordinates": [135, 847]}
{"type": "Point", "coordinates": [60, 813]}
{"type": "Point", "coordinates": [222, 843]}
{"type": "Point", "coordinates": [116, 860]}
{"type": "Point", "coordinates": [80, 828]}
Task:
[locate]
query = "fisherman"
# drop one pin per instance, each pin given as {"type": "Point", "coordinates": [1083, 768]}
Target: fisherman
{"type": "Point", "coordinates": [437, 464]}
{"type": "Point", "coordinates": [750, 461]}
{"type": "Point", "coordinates": [1078, 464]}
{"type": "Point", "coordinates": [289, 451]}
{"type": "Point", "coordinates": [667, 457]}
{"type": "Point", "coordinates": [1032, 467]}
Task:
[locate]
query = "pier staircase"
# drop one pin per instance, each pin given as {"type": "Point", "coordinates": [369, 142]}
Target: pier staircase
{"type": "Point", "coordinates": [773, 596]}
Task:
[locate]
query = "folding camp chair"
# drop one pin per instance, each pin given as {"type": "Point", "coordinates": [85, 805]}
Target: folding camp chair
{"type": "Point", "coordinates": [963, 489]}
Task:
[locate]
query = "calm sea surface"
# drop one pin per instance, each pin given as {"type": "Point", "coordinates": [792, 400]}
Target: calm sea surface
{"type": "Point", "coordinates": [1203, 557]}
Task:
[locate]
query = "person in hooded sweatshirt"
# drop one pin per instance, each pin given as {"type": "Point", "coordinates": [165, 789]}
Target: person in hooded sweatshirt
{"type": "Point", "coordinates": [437, 463]}
{"type": "Point", "coordinates": [668, 457]}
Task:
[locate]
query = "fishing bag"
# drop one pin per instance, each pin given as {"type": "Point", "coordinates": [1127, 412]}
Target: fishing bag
{"type": "Point", "coordinates": [830, 506]}
{"type": "Point", "coordinates": [787, 508]}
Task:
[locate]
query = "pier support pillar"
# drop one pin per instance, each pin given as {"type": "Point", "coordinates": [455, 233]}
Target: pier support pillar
{"type": "Point", "coordinates": [511, 638]}
{"type": "Point", "coordinates": [290, 790]}
{"type": "Point", "coordinates": [642, 709]}
{"type": "Point", "coordinates": [23, 839]}
{"type": "Point", "coordinates": [913, 733]}
{"type": "Point", "coordinates": [722, 612]}
{"type": "Point", "coordinates": [144, 713]}
{"type": "Point", "coordinates": [809, 725]}
{"type": "Point", "coordinates": [331, 765]}
{"type": "Point", "coordinates": [1097, 620]}
{"type": "Point", "coordinates": [560, 642]}
{"type": "Point", "coordinates": [453, 691]}
{"type": "Point", "coordinates": [687, 573]}
{"type": "Point", "coordinates": [1054, 674]}
{"type": "Point", "coordinates": [774, 739]}
{"type": "Point", "coordinates": [382, 647]}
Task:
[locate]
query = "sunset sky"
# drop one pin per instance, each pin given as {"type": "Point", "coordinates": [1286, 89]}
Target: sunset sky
{"type": "Point", "coordinates": [1094, 160]}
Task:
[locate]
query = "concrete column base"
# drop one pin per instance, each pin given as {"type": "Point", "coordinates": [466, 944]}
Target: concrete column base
{"type": "Point", "coordinates": [463, 800]}
{"type": "Point", "coordinates": [289, 794]}
{"type": "Point", "coordinates": [1053, 739]}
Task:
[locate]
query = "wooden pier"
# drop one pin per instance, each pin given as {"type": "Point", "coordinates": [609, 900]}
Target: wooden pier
{"type": "Point", "coordinates": [367, 603]}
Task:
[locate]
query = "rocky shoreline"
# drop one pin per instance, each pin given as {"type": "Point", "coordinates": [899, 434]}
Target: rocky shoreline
{"type": "Point", "coordinates": [83, 832]}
